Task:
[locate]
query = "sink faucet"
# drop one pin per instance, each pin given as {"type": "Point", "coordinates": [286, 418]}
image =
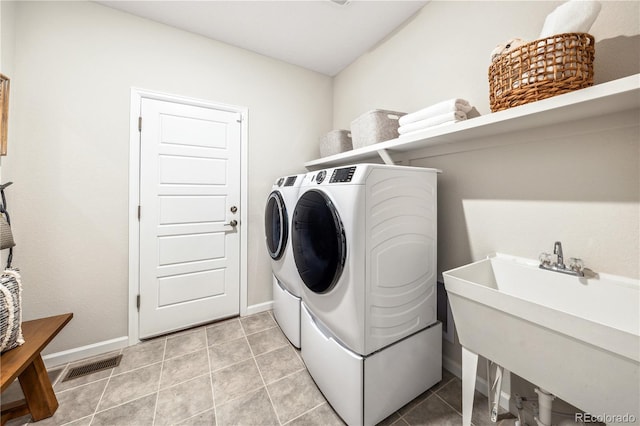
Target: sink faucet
{"type": "Point", "coordinates": [557, 250]}
{"type": "Point", "coordinates": [576, 266]}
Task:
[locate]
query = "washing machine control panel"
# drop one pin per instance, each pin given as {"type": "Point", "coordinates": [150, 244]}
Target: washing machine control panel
{"type": "Point", "coordinates": [320, 176]}
{"type": "Point", "coordinates": [342, 175]}
{"type": "Point", "coordinates": [291, 180]}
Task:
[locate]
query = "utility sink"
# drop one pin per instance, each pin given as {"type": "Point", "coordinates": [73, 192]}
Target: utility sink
{"type": "Point", "coordinates": [578, 338]}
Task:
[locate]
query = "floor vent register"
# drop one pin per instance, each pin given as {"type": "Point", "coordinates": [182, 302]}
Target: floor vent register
{"type": "Point", "coordinates": [93, 367]}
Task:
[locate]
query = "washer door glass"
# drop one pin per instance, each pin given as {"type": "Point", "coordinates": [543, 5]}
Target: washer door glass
{"type": "Point", "coordinates": [276, 225]}
{"type": "Point", "coordinates": [319, 242]}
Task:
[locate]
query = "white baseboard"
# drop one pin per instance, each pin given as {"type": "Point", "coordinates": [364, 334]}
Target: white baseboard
{"type": "Point", "coordinates": [75, 354]}
{"type": "Point", "coordinates": [260, 307]}
{"type": "Point", "coordinates": [481, 384]}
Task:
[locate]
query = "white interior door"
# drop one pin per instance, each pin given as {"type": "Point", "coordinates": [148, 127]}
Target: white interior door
{"type": "Point", "coordinates": [189, 216]}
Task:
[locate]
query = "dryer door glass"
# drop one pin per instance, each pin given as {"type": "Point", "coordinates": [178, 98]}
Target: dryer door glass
{"type": "Point", "coordinates": [319, 243]}
{"type": "Point", "coordinates": [275, 225]}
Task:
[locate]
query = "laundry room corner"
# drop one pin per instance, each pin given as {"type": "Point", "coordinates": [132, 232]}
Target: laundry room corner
{"type": "Point", "coordinates": [74, 164]}
{"type": "Point", "coordinates": [320, 212]}
{"type": "Point", "coordinates": [501, 198]}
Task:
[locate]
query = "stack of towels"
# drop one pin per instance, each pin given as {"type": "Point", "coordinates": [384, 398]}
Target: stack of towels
{"type": "Point", "coordinates": [442, 113]}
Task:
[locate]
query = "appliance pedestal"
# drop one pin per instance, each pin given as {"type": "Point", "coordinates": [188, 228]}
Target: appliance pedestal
{"type": "Point", "coordinates": [365, 390]}
{"type": "Point", "coordinates": [286, 311]}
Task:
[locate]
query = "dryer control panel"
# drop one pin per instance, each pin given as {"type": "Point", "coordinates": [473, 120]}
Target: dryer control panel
{"type": "Point", "coordinates": [342, 175]}
{"type": "Point", "coordinates": [290, 181]}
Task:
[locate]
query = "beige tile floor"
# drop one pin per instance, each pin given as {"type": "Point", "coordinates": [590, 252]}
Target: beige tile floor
{"type": "Point", "coordinates": [241, 371]}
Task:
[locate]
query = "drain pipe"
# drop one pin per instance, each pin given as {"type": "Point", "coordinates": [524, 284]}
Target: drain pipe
{"type": "Point", "coordinates": [545, 403]}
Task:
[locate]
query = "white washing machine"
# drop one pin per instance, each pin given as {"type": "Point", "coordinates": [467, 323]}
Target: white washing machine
{"type": "Point", "coordinates": [364, 244]}
{"type": "Point", "coordinates": [286, 281]}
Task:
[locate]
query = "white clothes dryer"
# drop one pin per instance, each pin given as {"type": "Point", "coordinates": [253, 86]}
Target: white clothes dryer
{"type": "Point", "coordinates": [364, 244]}
{"type": "Point", "coordinates": [286, 281]}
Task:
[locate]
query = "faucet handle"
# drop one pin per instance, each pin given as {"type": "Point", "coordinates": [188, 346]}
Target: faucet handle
{"type": "Point", "coordinates": [576, 264]}
{"type": "Point", "coordinates": [545, 259]}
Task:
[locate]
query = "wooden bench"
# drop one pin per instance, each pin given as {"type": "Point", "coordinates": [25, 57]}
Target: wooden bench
{"type": "Point", "coordinates": [25, 363]}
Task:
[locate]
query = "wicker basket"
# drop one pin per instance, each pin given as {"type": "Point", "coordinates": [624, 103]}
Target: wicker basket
{"type": "Point", "coordinates": [541, 69]}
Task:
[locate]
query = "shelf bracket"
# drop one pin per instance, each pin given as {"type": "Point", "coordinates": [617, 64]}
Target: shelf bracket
{"type": "Point", "coordinates": [386, 157]}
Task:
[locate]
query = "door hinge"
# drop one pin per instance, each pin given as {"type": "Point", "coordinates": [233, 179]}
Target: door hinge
{"type": "Point", "coordinates": [139, 212]}
{"type": "Point", "coordinates": [139, 124]}
{"type": "Point", "coordinates": [138, 302]}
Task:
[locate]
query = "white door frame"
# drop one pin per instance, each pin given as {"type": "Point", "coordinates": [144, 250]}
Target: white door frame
{"type": "Point", "coordinates": [134, 196]}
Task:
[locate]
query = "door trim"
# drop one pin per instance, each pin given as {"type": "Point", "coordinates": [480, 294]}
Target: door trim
{"type": "Point", "coordinates": [137, 95]}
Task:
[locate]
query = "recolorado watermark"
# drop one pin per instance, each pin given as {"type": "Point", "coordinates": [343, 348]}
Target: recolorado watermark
{"type": "Point", "coordinates": [605, 418]}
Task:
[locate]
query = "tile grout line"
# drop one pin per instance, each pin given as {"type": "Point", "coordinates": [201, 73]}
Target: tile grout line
{"type": "Point", "coordinates": [431, 393]}
{"type": "Point", "coordinates": [274, 349]}
{"type": "Point", "coordinates": [123, 403]}
{"type": "Point", "coordinates": [213, 395]}
{"type": "Point", "coordinates": [308, 411]}
{"type": "Point", "coordinates": [443, 384]}
{"type": "Point", "coordinates": [288, 375]}
{"type": "Point", "coordinates": [155, 409]}
{"type": "Point", "coordinates": [182, 382]}
{"type": "Point", "coordinates": [193, 417]}
{"type": "Point", "coordinates": [235, 398]}
{"type": "Point", "coordinates": [260, 331]}
{"type": "Point", "coordinates": [231, 365]}
{"type": "Point", "coordinates": [204, 330]}
{"type": "Point", "coordinates": [281, 378]}
{"type": "Point", "coordinates": [137, 368]}
{"type": "Point", "coordinates": [187, 331]}
{"type": "Point", "coordinates": [59, 378]}
{"type": "Point", "coordinates": [449, 405]}
{"type": "Point", "coordinates": [253, 356]}
{"type": "Point", "coordinates": [67, 423]}
{"type": "Point", "coordinates": [64, 368]}
{"type": "Point", "coordinates": [103, 392]}
{"type": "Point", "coordinates": [275, 325]}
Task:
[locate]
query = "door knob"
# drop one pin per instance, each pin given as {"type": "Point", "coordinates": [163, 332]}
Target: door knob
{"type": "Point", "coordinates": [233, 223]}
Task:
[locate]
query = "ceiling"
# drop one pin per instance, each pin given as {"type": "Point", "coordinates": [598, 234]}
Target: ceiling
{"type": "Point", "coordinates": [319, 35]}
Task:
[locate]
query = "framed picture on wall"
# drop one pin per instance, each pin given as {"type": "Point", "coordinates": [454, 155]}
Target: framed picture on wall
{"type": "Point", "coordinates": [4, 112]}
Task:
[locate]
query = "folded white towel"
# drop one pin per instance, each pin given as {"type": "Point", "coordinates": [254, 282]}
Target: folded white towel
{"type": "Point", "coordinates": [450, 105]}
{"type": "Point", "coordinates": [416, 132]}
{"type": "Point", "coordinates": [453, 117]}
{"type": "Point", "coordinates": [574, 16]}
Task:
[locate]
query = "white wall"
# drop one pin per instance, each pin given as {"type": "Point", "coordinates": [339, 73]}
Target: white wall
{"type": "Point", "coordinates": [579, 186]}
{"type": "Point", "coordinates": [582, 190]}
{"type": "Point", "coordinates": [7, 49]}
{"type": "Point", "coordinates": [443, 52]}
{"type": "Point", "coordinates": [74, 67]}
{"type": "Point", "coordinates": [7, 37]}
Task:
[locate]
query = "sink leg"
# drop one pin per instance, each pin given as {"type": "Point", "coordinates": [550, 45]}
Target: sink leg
{"type": "Point", "coordinates": [469, 370]}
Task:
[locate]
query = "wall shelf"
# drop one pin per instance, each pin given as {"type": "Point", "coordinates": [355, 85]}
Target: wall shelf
{"type": "Point", "coordinates": [603, 99]}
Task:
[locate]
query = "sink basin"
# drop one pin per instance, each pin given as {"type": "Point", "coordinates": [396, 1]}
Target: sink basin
{"type": "Point", "coordinates": [578, 338]}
